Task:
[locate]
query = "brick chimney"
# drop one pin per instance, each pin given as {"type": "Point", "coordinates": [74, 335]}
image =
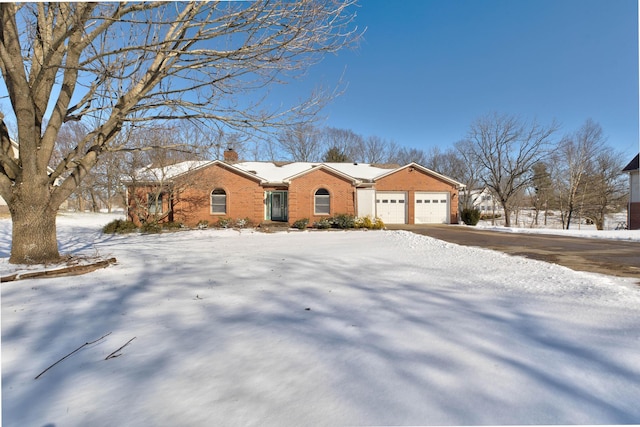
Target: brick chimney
{"type": "Point", "coordinates": [230, 156]}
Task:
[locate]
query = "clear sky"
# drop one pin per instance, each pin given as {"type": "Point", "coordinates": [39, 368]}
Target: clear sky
{"type": "Point", "coordinates": [427, 69]}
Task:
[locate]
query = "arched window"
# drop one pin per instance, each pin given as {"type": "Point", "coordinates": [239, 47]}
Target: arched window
{"type": "Point", "coordinates": [322, 202]}
{"type": "Point", "coordinates": [218, 201]}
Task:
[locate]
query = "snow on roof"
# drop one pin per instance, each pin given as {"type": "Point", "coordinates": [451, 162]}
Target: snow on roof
{"type": "Point", "coordinates": [280, 172]}
{"type": "Point", "coordinates": [169, 172]}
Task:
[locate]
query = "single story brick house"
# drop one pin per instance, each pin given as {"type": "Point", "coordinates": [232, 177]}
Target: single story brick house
{"type": "Point", "coordinates": [633, 212]}
{"type": "Point", "coordinates": [190, 192]}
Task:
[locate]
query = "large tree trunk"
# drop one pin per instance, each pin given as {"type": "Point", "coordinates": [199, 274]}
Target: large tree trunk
{"type": "Point", "coordinates": [507, 214]}
{"type": "Point", "coordinates": [34, 227]}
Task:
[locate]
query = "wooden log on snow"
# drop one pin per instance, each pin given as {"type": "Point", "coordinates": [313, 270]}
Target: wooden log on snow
{"type": "Point", "coordinates": [73, 270]}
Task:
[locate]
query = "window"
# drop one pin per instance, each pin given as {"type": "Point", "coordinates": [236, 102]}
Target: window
{"type": "Point", "coordinates": [218, 201]}
{"type": "Point", "coordinates": [154, 203]}
{"type": "Point", "coordinates": [322, 202]}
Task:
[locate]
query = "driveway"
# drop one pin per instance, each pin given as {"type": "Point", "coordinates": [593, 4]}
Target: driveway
{"type": "Point", "coordinates": [612, 257]}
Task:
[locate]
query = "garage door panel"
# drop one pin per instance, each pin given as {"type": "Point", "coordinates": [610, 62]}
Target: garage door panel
{"type": "Point", "coordinates": [391, 207]}
{"type": "Point", "coordinates": [431, 208]}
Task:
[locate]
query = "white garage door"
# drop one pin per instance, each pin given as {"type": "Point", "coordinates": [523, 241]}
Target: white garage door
{"type": "Point", "coordinates": [432, 208]}
{"type": "Point", "coordinates": [392, 207]}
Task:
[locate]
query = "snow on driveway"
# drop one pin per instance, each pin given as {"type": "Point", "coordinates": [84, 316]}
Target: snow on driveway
{"type": "Point", "coordinates": [315, 328]}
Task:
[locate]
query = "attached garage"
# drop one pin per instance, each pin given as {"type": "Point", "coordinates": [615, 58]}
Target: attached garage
{"type": "Point", "coordinates": [431, 208]}
{"type": "Point", "coordinates": [391, 207]}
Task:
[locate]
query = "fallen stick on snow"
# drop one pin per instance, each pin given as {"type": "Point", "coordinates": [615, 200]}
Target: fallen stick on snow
{"type": "Point", "coordinates": [112, 355]}
{"type": "Point", "coordinates": [74, 351]}
{"type": "Point", "coordinates": [74, 270]}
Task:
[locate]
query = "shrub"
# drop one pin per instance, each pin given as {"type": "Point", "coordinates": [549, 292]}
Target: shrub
{"type": "Point", "coordinates": [119, 226]}
{"type": "Point", "coordinates": [470, 216]}
{"type": "Point", "coordinates": [368, 223]}
{"type": "Point", "coordinates": [202, 224]}
{"type": "Point", "coordinates": [322, 224]}
{"type": "Point", "coordinates": [243, 223]}
{"type": "Point", "coordinates": [151, 227]}
{"type": "Point", "coordinates": [343, 221]}
{"type": "Point", "coordinates": [378, 224]}
{"type": "Point", "coordinates": [172, 225]}
{"type": "Point", "coordinates": [224, 223]}
{"type": "Point", "coordinates": [301, 224]}
{"type": "Point", "coordinates": [490, 216]}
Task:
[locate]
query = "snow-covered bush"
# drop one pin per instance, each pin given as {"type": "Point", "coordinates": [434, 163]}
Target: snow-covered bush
{"type": "Point", "coordinates": [301, 224]}
{"type": "Point", "coordinates": [322, 224]}
{"type": "Point", "coordinates": [343, 221]}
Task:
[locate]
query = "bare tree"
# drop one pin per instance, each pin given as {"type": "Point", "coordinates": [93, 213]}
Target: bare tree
{"type": "Point", "coordinates": [606, 189]}
{"type": "Point", "coordinates": [347, 143]}
{"type": "Point", "coordinates": [377, 150]}
{"type": "Point", "coordinates": [505, 149]}
{"type": "Point", "coordinates": [406, 155]}
{"type": "Point", "coordinates": [64, 62]}
{"type": "Point", "coordinates": [573, 160]}
{"type": "Point", "coordinates": [302, 143]}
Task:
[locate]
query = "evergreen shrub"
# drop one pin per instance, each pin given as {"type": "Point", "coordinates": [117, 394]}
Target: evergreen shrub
{"type": "Point", "coordinates": [301, 224]}
{"type": "Point", "coordinates": [470, 216]}
{"type": "Point", "coordinates": [119, 226]}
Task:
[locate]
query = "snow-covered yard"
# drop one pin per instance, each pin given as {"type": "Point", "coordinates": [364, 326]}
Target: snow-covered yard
{"type": "Point", "coordinates": [314, 328]}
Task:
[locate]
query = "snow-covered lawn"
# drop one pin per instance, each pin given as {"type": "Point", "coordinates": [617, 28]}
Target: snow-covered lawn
{"type": "Point", "coordinates": [314, 328]}
{"type": "Point", "coordinates": [590, 233]}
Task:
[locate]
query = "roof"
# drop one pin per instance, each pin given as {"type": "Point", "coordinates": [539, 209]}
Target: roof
{"type": "Point", "coordinates": [168, 172]}
{"type": "Point", "coordinates": [283, 172]}
{"type": "Point", "coordinates": [633, 165]}
{"type": "Point", "coordinates": [278, 172]}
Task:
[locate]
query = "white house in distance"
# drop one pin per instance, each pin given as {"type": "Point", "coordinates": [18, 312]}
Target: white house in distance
{"type": "Point", "coordinates": [633, 212]}
{"type": "Point", "coordinates": [481, 199]}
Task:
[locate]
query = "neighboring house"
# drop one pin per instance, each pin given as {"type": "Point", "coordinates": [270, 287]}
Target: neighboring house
{"type": "Point", "coordinates": [633, 212]}
{"type": "Point", "coordinates": [481, 200]}
{"type": "Point", "coordinates": [190, 192]}
{"type": "Point", "coordinates": [3, 203]}
{"type": "Point", "coordinates": [16, 149]}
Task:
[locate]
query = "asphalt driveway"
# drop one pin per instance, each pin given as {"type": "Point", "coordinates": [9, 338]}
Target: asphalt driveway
{"type": "Point", "coordinates": [612, 257]}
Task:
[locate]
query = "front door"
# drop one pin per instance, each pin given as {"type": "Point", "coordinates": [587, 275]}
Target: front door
{"type": "Point", "coordinates": [278, 205]}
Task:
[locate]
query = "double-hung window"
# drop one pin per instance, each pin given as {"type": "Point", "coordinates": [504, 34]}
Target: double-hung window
{"type": "Point", "coordinates": [322, 202]}
{"type": "Point", "coordinates": [218, 201]}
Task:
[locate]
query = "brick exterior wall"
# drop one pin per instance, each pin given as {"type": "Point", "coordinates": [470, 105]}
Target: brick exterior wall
{"type": "Point", "coordinates": [302, 191]}
{"type": "Point", "coordinates": [191, 197]}
{"type": "Point", "coordinates": [412, 180]}
{"type": "Point", "coordinates": [193, 201]}
{"type": "Point", "coordinates": [191, 194]}
{"type": "Point", "coordinates": [634, 216]}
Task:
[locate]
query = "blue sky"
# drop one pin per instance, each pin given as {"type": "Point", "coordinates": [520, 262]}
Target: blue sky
{"type": "Point", "coordinates": [427, 69]}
